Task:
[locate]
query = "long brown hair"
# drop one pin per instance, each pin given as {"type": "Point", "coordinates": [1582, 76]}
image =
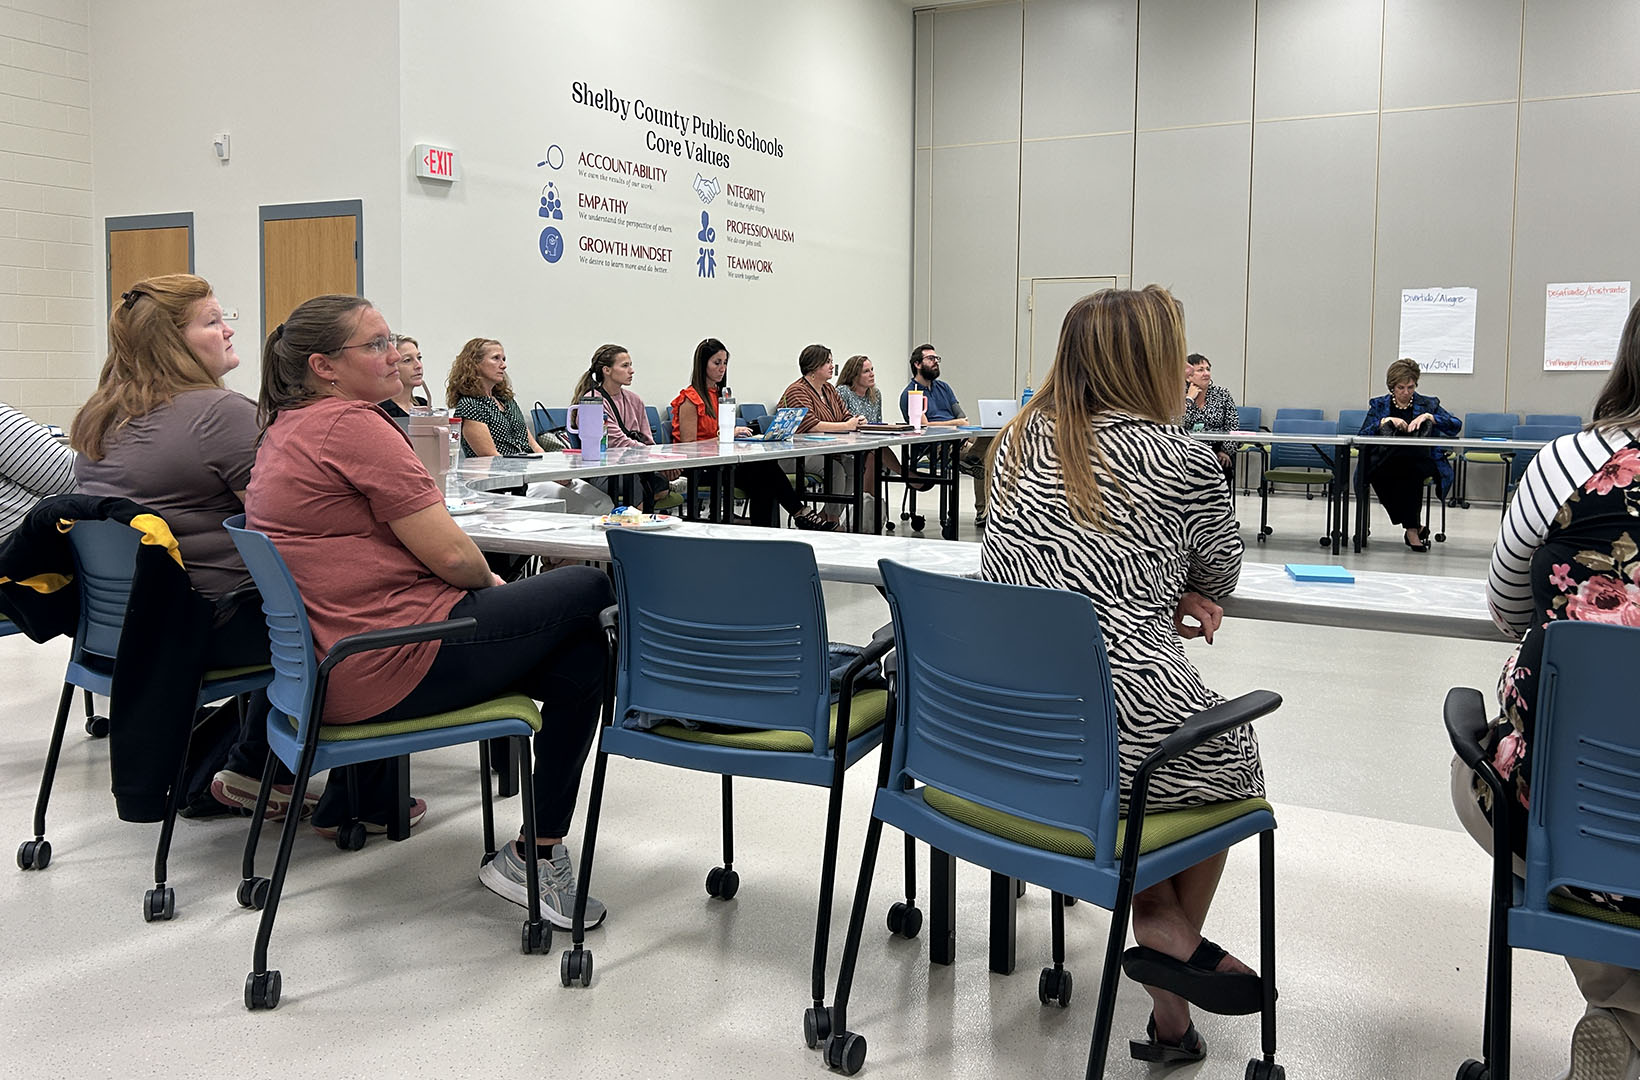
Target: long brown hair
{"type": "Point", "coordinates": [1120, 350]}
{"type": "Point", "coordinates": [851, 375]}
{"type": "Point", "coordinates": [320, 325]}
{"type": "Point", "coordinates": [708, 348]}
{"type": "Point", "coordinates": [149, 361]}
{"type": "Point", "coordinates": [464, 379]}
{"type": "Point", "coordinates": [1618, 405]}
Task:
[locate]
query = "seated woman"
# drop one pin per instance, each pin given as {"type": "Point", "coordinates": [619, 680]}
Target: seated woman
{"type": "Point", "coordinates": [1397, 475]}
{"type": "Point", "coordinates": [1095, 489]}
{"type": "Point", "coordinates": [364, 531]}
{"type": "Point", "coordinates": [32, 466]}
{"type": "Point", "coordinates": [626, 423]}
{"type": "Point", "coordinates": [162, 430]}
{"type": "Point", "coordinates": [1208, 406]}
{"type": "Point", "coordinates": [411, 379]}
{"type": "Point", "coordinates": [826, 413]}
{"type": "Point", "coordinates": [479, 392]}
{"type": "Point", "coordinates": [695, 419]}
{"type": "Point", "coordinates": [1576, 505]}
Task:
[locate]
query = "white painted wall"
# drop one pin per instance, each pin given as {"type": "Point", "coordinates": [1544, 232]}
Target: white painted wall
{"type": "Point", "coordinates": [832, 81]}
{"type": "Point", "coordinates": [48, 345]}
{"type": "Point", "coordinates": [309, 91]}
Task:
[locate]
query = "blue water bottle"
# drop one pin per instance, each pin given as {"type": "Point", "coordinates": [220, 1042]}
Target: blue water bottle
{"type": "Point", "coordinates": [1025, 395]}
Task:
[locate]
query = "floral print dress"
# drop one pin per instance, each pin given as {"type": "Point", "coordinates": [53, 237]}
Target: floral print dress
{"type": "Point", "coordinates": [1588, 569]}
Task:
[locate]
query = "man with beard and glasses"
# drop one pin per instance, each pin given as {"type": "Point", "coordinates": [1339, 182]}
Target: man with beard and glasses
{"type": "Point", "coordinates": [944, 410]}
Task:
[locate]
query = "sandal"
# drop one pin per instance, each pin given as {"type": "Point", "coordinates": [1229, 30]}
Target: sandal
{"type": "Point", "coordinates": [1228, 993]}
{"type": "Point", "coordinates": [1190, 1048]}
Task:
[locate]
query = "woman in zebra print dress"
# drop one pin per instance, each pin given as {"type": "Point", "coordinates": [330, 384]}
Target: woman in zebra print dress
{"type": "Point", "coordinates": [1095, 488]}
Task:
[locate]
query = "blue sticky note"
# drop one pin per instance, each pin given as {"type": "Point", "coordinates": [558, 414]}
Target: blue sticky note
{"type": "Point", "coordinates": [1326, 572]}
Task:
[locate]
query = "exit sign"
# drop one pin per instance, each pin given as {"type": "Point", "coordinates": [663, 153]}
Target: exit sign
{"type": "Point", "coordinates": [437, 162]}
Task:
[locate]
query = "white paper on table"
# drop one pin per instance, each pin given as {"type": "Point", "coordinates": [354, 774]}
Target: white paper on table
{"type": "Point", "coordinates": [1438, 329]}
{"type": "Point", "coordinates": [1581, 324]}
{"type": "Point", "coordinates": [540, 523]}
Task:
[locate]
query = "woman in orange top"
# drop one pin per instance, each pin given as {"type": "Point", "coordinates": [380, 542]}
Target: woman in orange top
{"type": "Point", "coordinates": [695, 419]}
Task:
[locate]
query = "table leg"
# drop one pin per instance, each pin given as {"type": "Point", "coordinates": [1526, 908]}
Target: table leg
{"type": "Point", "coordinates": [1004, 906]}
{"type": "Point", "coordinates": [948, 521]}
{"type": "Point", "coordinates": [942, 907]}
{"type": "Point", "coordinates": [860, 491]}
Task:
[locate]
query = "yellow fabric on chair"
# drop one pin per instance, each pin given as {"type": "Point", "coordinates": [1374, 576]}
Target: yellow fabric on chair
{"type": "Point", "coordinates": [1161, 829]}
{"type": "Point", "coordinates": [1570, 905]}
{"type": "Point", "coordinates": [867, 712]}
{"type": "Point", "coordinates": [507, 707]}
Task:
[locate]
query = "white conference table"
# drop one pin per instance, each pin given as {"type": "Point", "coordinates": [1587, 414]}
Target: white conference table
{"type": "Point", "coordinates": [1377, 600]}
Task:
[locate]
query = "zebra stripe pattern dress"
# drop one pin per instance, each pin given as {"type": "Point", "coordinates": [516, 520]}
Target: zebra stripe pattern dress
{"type": "Point", "coordinates": [1170, 530]}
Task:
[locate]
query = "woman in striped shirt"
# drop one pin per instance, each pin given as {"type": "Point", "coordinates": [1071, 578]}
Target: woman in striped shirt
{"type": "Point", "coordinates": [32, 466]}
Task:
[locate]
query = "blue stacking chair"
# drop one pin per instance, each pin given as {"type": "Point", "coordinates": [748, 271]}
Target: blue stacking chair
{"type": "Point", "coordinates": [105, 556]}
{"type": "Point", "coordinates": [1566, 420]}
{"type": "Point", "coordinates": [1519, 459]}
{"type": "Point", "coordinates": [749, 412]}
{"type": "Point", "coordinates": [1349, 423]}
{"type": "Point", "coordinates": [1484, 425]}
{"type": "Point", "coordinates": [752, 676]}
{"type": "Point", "coordinates": [1250, 418]}
{"type": "Point", "coordinates": [8, 628]}
{"type": "Point", "coordinates": [1582, 829]}
{"type": "Point", "coordinates": [1300, 414]}
{"type": "Point", "coordinates": [306, 746]}
{"type": "Point", "coordinates": [1295, 463]}
{"type": "Point", "coordinates": [1003, 753]}
{"type": "Point", "coordinates": [661, 435]}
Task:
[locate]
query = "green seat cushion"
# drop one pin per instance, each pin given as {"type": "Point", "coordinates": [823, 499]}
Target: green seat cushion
{"type": "Point", "coordinates": [1484, 457]}
{"type": "Point", "coordinates": [1570, 905]}
{"type": "Point", "coordinates": [218, 674]}
{"type": "Point", "coordinates": [507, 707]}
{"type": "Point", "coordinates": [1161, 829]}
{"type": "Point", "coordinates": [1298, 476]}
{"type": "Point", "coordinates": [668, 501]}
{"type": "Point", "coordinates": [866, 713]}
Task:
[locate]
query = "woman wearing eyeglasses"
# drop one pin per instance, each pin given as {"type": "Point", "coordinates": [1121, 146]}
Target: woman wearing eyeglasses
{"type": "Point", "coordinates": [480, 393]}
{"type": "Point", "coordinates": [410, 378]}
{"type": "Point", "coordinates": [364, 531]}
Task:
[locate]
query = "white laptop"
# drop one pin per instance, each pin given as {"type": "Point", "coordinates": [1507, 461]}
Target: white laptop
{"type": "Point", "coordinates": [994, 412]}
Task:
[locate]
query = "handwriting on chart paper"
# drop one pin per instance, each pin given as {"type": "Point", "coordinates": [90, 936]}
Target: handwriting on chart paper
{"type": "Point", "coordinates": [1438, 329]}
{"type": "Point", "coordinates": [1581, 324]}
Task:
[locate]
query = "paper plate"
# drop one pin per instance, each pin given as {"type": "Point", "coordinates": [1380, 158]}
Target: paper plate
{"type": "Point", "coordinates": [647, 521]}
{"type": "Point", "coordinates": [458, 507]}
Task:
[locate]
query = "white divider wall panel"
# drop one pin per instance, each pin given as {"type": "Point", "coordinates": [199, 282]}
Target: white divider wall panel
{"type": "Point", "coordinates": [831, 83]}
{"type": "Point", "coordinates": [1295, 165]}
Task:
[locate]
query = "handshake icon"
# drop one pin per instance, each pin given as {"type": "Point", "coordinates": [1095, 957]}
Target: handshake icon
{"type": "Point", "coordinates": [706, 189]}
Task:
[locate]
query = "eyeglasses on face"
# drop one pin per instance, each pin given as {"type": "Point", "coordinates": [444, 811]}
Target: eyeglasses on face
{"type": "Point", "coordinates": [376, 346]}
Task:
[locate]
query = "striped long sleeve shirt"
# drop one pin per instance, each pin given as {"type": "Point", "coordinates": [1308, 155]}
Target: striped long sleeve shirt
{"type": "Point", "coordinates": [32, 466]}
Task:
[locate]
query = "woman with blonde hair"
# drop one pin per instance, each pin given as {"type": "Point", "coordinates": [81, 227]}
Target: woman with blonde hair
{"type": "Point", "coordinates": [1095, 488]}
{"type": "Point", "coordinates": [411, 379]}
{"type": "Point", "coordinates": [479, 392]}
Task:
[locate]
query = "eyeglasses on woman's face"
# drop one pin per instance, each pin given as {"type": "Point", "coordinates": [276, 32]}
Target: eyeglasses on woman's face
{"type": "Point", "coordinates": [376, 346]}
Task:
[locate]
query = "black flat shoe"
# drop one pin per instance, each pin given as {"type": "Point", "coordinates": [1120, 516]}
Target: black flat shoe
{"type": "Point", "coordinates": [1197, 980]}
{"type": "Point", "coordinates": [1190, 1048]}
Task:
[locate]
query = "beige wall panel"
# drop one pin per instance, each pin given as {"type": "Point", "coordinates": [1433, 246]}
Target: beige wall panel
{"type": "Point", "coordinates": [1581, 47]}
{"type": "Point", "coordinates": [1195, 62]}
{"type": "Point", "coordinates": [1444, 52]}
{"type": "Point", "coordinates": [976, 74]}
{"type": "Point", "coordinates": [1079, 67]}
{"type": "Point", "coordinates": [1076, 207]}
{"type": "Point", "coordinates": [973, 243]}
{"type": "Point", "coordinates": [1317, 58]}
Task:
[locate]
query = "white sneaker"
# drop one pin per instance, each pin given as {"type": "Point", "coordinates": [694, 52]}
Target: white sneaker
{"type": "Point", "coordinates": [1601, 1050]}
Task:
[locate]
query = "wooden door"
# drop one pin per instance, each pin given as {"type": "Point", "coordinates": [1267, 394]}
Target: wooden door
{"type": "Point", "coordinates": [304, 257]}
{"type": "Point", "coordinates": [138, 253]}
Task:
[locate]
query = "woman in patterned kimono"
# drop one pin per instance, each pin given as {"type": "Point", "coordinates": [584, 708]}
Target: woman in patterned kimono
{"type": "Point", "coordinates": [1095, 487]}
{"type": "Point", "coordinates": [1568, 550]}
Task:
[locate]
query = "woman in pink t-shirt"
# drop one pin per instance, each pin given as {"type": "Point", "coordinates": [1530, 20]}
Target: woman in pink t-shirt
{"type": "Point", "coordinates": [365, 533]}
{"type": "Point", "coordinates": [608, 380]}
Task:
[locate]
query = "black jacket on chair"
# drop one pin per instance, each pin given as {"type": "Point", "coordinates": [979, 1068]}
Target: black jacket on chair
{"type": "Point", "coordinates": [156, 674]}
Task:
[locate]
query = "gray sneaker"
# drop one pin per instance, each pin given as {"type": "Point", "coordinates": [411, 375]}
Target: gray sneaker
{"type": "Point", "coordinates": [505, 875]}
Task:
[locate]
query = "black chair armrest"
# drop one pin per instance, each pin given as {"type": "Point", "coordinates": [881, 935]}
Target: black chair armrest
{"type": "Point", "coordinates": [610, 617]}
{"type": "Point", "coordinates": [1209, 724]}
{"type": "Point", "coordinates": [884, 632]}
{"type": "Point", "coordinates": [1466, 725]}
{"type": "Point", "coordinates": [371, 640]}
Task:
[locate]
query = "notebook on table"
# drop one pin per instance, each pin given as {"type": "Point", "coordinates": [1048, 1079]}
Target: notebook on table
{"type": "Point", "coordinates": [1327, 572]}
{"type": "Point", "coordinates": [781, 427]}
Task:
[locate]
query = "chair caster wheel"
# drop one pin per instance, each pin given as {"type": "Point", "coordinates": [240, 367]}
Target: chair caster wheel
{"type": "Point", "coordinates": [917, 522]}
{"type": "Point", "coordinates": [538, 939]}
{"type": "Point", "coordinates": [1054, 987]}
{"type": "Point", "coordinates": [34, 854]}
{"type": "Point", "coordinates": [253, 893]}
{"type": "Point", "coordinates": [1440, 538]}
{"type": "Point", "coordinates": [1473, 1070]}
{"type": "Point", "coordinates": [1259, 1069]}
{"type": "Point", "coordinates": [1266, 530]}
{"type": "Point", "coordinates": [351, 837]}
{"type": "Point", "coordinates": [1325, 541]}
{"type": "Point", "coordinates": [816, 1027]}
{"type": "Point", "coordinates": [159, 904]}
{"type": "Point", "coordinates": [722, 883]}
{"type": "Point", "coordinates": [846, 1052]}
{"type": "Point", "coordinates": [1260, 537]}
{"type": "Point", "coordinates": [96, 727]}
{"type": "Point", "coordinates": [575, 967]}
{"type": "Point", "coordinates": [904, 920]}
{"type": "Point", "coordinates": [262, 991]}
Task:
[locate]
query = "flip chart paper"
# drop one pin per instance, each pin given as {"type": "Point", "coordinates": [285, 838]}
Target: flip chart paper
{"type": "Point", "coordinates": [1438, 329]}
{"type": "Point", "coordinates": [1581, 324]}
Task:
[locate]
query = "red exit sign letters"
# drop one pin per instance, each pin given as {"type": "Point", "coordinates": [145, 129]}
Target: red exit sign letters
{"type": "Point", "coordinates": [437, 162]}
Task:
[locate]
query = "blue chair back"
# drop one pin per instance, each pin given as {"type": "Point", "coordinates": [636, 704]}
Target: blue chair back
{"type": "Point", "coordinates": [1583, 828]}
{"type": "Point", "coordinates": [1350, 421]}
{"type": "Point", "coordinates": [661, 434]}
{"type": "Point", "coordinates": [748, 412]}
{"type": "Point", "coordinates": [1300, 414]}
{"type": "Point", "coordinates": [758, 663]}
{"type": "Point", "coordinates": [290, 639]}
{"type": "Point", "coordinates": [1534, 433]}
{"type": "Point", "coordinates": [105, 557]}
{"type": "Point", "coordinates": [1490, 425]}
{"type": "Point", "coordinates": [1021, 722]}
{"type": "Point", "coordinates": [540, 421]}
{"type": "Point", "coordinates": [1298, 455]}
{"type": "Point", "coordinates": [1571, 420]}
{"type": "Point", "coordinates": [1249, 417]}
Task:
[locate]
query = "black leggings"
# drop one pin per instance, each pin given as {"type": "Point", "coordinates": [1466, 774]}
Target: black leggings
{"type": "Point", "coordinates": [539, 637]}
{"type": "Point", "coordinates": [765, 485]}
{"type": "Point", "coordinates": [1398, 481]}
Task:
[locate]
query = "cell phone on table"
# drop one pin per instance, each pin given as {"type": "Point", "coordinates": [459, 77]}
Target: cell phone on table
{"type": "Point", "coordinates": [522, 455]}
